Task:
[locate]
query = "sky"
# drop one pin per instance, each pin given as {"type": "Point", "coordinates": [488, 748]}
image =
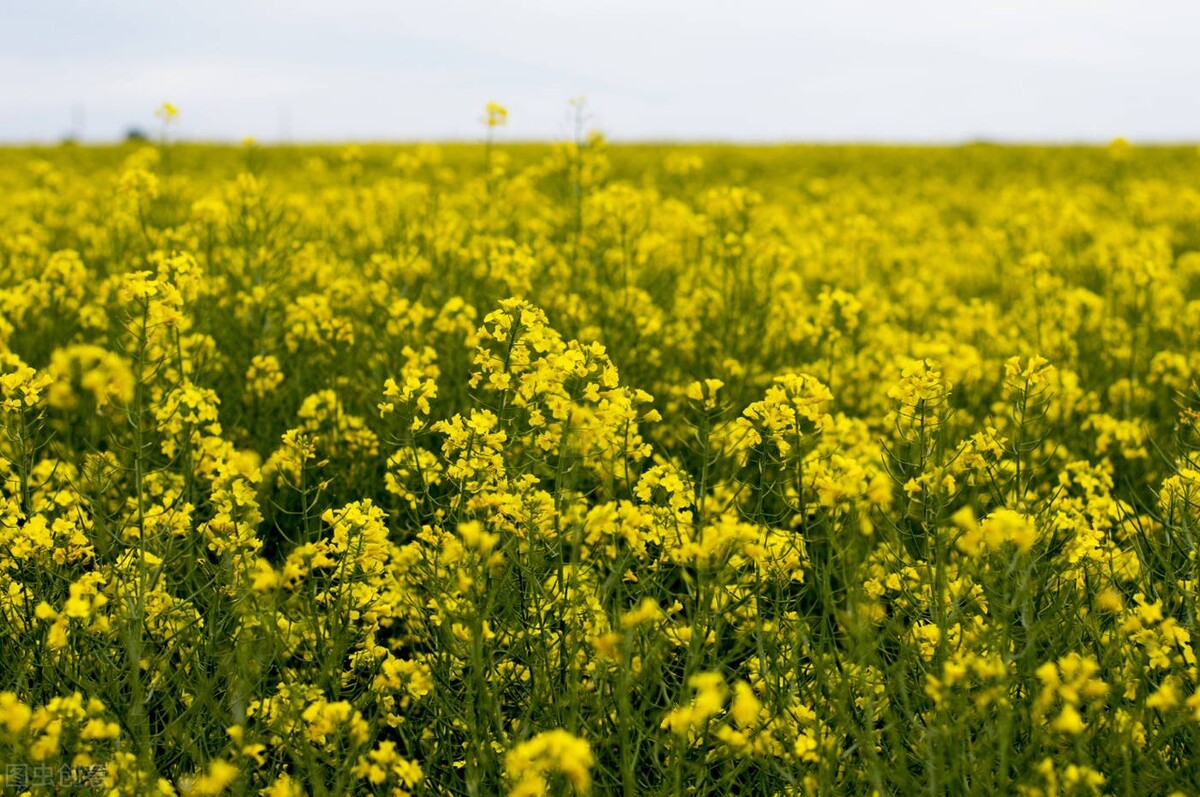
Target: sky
{"type": "Point", "coordinates": [740, 70]}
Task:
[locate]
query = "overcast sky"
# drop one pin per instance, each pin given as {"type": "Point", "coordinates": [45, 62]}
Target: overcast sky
{"type": "Point", "coordinates": [933, 70]}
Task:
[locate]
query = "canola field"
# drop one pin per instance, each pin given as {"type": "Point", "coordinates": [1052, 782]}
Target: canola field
{"type": "Point", "coordinates": [597, 469]}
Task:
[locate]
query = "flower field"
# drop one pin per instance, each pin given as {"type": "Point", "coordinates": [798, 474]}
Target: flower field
{"type": "Point", "coordinates": [630, 470]}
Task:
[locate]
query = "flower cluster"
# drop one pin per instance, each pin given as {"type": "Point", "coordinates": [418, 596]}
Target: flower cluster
{"type": "Point", "coordinates": [585, 468]}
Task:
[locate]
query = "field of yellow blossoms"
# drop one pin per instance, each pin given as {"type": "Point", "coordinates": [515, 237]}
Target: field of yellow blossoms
{"type": "Point", "coordinates": [629, 470]}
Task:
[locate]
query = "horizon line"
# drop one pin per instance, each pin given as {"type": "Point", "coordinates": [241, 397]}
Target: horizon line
{"type": "Point", "coordinates": [664, 141]}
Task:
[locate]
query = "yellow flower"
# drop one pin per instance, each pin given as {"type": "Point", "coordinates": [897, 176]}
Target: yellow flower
{"type": "Point", "coordinates": [529, 763]}
{"type": "Point", "coordinates": [215, 781]}
{"type": "Point", "coordinates": [14, 715]}
{"type": "Point", "coordinates": [97, 729]}
{"type": "Point", "coordinates": [1007, 525]}
{"type": "Point", "coordinates": [709, 698]}
{"type": "Point", "coordinates": [646, 611]}
{"type": "Point", "coordinates": [496, 115]}
{"type": "Point", "coordinates": [1069, 721]}
{"type": "Point", "coordinates": [745, 706]}
{"type": "Point", "coordinates": [284, 786]}
{"type": "Point", "coordinates": [476, 539]}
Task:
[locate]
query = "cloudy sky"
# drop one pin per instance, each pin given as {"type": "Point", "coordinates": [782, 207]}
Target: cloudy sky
{"type": "Point", "coordinates": [923, 70]}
